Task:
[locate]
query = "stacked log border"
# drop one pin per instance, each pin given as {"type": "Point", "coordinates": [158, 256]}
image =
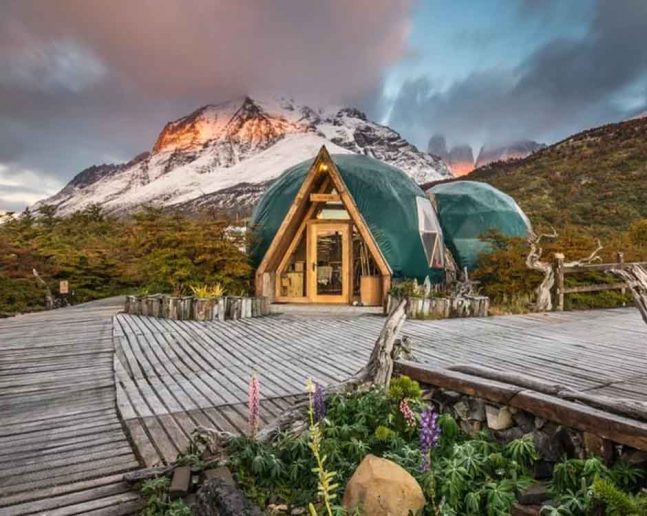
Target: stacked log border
{"type": "Point", "coordinates": [443, 307]}
{"type": "Point", "coordinates": [191, 308]}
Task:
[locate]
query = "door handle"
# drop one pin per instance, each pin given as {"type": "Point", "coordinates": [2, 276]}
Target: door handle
{"type": "Point", "coordinates": [314, 266]}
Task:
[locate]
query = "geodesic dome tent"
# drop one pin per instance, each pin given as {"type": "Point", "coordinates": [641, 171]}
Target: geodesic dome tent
{"type": "Point", "coordinates": [384, 209]}
{"type": "Point", "coordinates": [467, 210]}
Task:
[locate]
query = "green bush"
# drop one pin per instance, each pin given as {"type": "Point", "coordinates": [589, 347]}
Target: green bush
{"type": "Point", "coordinates": [101, 255]}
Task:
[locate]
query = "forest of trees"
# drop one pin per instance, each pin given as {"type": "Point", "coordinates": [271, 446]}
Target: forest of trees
{"type": "Point", "coordinates": [159, 251]}
{"type": "Point", "coordinates": [102, 255]}
{"type": "Point", "coordinates": [504, 277]}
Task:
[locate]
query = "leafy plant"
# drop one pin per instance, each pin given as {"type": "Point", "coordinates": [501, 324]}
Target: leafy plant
{"type": "Point", "coordinates": [616, 501]}
{"type": "Point", "coordinates": [214, 291]}
{"type": "Point", "coordinates": [158, 502]}
{"type": "Point", "coordinates": [404, 387]}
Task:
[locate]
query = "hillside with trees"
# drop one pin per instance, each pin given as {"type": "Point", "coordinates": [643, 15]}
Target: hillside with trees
{"type": "Point", "coordinates": [590, 186]}
{"type": "Point", "coordinates": [595, 181]}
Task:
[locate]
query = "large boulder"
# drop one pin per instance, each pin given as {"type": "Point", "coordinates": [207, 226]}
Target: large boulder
{"type": "Point", "coordinates": [380, 487]}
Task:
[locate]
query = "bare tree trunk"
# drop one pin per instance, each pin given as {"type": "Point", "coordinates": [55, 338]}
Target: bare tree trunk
{"type": "Point", "coordinates": [49, 298]}
{"type": "Point", "coordinates": [636, 278]}
{"type": "Point", "coordinates": [377, 371]}
{"type": "Point", "coordinates": [544, 302]}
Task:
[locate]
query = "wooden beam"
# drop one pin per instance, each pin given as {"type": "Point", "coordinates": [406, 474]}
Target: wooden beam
{"type": "Point", "coordinates": [595, 288]}
{"type": "Point", "coordinates": [324, 197]}
{"type": "Point", "coordinates": [464, 383]}
{"type": "Point", "coordinates": [602, 266]}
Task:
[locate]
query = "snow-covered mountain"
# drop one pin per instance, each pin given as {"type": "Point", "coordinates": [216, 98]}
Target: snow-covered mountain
{"type": "Point", "coordinates": [226, 155]}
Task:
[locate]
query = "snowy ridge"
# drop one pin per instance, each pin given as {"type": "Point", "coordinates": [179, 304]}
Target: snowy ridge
{"type": "Point", "coordinates": [226, 155]}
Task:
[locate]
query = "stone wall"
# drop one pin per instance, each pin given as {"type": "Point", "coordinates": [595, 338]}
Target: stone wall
{"type": "Point", "coordinates": [197, 309]}
{"type": "Point", "coordinates": [553, 441]}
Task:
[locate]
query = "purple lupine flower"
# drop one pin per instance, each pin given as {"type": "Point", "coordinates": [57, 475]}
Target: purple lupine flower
{"type": "Point", "coordinates": [253, 404]}
{"type": "Point", "coordinates": [429, 435]}
{"type": "Point", "coordinates": [408, 414]}
{"type": "Point", "coordinates": [319, 402]}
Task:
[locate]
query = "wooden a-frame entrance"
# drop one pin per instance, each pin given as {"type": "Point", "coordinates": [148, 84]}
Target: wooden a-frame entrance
{"type": "Point", "coordinates": [315, 254]}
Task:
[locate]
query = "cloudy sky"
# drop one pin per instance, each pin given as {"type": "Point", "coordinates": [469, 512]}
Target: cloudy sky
{"type": "Point", "coordinates": [93, 81]}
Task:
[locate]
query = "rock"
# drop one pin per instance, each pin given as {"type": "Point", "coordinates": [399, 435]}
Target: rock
{"type": "Point", "coordinates": [595, 445]}
{"type": "Point", "coordinates": [180, 482]}
{"type": "Point", "coordinates": [218, 498]}
{"type": "Point", "coordinates": [462, 410]}
{"type": "Point", "coordinates": [524, 421]}
{"type": "Point", "coordinates": [534, 494]}
{"type": "Point", "coordinates": [571, 441]}
{"type": "Point", "coordinates": [498, 418]}
{"type": "Point", "coordinates": [382, 488]}
{"type": "Point", "coordinates": [543, 469]}
{"type": "Point", "coordinates": [548, 446]}
{"type": "Point", "coordinates": [450, 396]}
{"type": "Point", "coordinates": [505, 436]}
{"type": "Point", "coordinates": [220, 472]}
{"type": "Point", "coordinates": [525, 510]}
{"type": "Point", "coordinates": [477, 410]}
{"type": "Point", "coordinates": [539, 423]}
{"type": "Point", "coordinates": [636, 457]}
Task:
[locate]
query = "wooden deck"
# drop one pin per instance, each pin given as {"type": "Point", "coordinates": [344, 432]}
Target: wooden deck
{"type": "Point", "coordinates": [62, 446]}
{"type": "Point", "coordinates": [66, 378]}
{"type": "Point", "coordinates": [174, 375]}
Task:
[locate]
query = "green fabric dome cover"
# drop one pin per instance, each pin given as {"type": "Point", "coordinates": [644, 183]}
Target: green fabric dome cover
{"type": "Point", "coordinates": [384, 195]}
{"type": "Point", "coordinates": [467, 210]}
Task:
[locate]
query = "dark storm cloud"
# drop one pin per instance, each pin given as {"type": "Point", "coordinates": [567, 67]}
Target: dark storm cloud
{"type": "Point", "coordinates": [90, 81]}
{"type": "Point", "coordinates": [564, 86]}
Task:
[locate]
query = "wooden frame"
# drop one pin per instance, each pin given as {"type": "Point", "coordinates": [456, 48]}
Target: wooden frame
{"type": "Point", "coordinates": [314, 226]}
{"type": "Point", "coordinates": [324, 197]}
{"type": "Point", "coordinates": [323, 175]}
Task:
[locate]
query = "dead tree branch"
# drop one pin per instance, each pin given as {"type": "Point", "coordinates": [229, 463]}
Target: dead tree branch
{"type": "Point", "coordinates": [544, 301]}
{"type": "Point", "coordinates": [377, 371]}
{"type": "Point", "coordinates": [636, 278]}
{"type": "Point", "coordinates": [49, 298]}
{"type": "Point", "coordinates": [593, 257]}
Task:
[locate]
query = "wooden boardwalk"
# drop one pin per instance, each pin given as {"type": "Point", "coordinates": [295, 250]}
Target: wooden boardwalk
{"type": "Point", "coordinates": [75, 382]}
{"type": "Point", "coordinates": [62, 446]}
{"type": "Point", "coordinates": [174, 375]}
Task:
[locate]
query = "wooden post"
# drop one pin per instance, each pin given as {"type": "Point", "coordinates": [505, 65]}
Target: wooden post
{"type": "Point", "coordinates": [559, 283]}
{"type": "Point", "coordinates": [620, 259]}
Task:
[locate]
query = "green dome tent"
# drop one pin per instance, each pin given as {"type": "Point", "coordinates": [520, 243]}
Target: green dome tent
{"type": "Point", "coordinates": [399, 215]}
{"type": "Point", "coordinates": [467, 210]}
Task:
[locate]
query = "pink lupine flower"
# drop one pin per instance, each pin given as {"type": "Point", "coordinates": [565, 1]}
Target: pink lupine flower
{"type": "Point", "coordinates": [253, 404]}
{"type": "Point", "coordinates": [408, 414]}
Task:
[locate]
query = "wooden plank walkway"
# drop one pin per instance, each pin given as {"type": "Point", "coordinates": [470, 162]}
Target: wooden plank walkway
{"type": "Point", "coordinates": [62, 446]}
{"type": "Point", "coordinates": [174, 375]}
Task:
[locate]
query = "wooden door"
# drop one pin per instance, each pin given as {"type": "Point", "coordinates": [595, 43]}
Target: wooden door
{"type": "Point", "coordinates": [329, 262]}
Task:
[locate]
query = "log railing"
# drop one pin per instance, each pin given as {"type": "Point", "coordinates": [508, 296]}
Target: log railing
{"type": "Point", "coordinates": [561, 270]}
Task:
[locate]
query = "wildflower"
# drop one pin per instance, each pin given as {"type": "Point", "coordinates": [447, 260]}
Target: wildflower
{"type": "Point", "coordinates": [429, 435]}
{"type": "Point", "coordinates": [253, 404]}
{"type": "Point", "coordinates": [408, 414]}
{"type": "Point", "coordinates": [319, 402]}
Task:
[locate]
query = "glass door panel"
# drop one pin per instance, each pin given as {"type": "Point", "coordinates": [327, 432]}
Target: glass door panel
{"type": "Point", "coordinates": [329, 262]}
{"type": "Point", "coordinates": [330, 255]}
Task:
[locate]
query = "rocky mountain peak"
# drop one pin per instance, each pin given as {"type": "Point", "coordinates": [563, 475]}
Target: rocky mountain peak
{"type": "Point", "coordinates": [227, 154]}
{"type": "Point", "coordinates": [511, 151]}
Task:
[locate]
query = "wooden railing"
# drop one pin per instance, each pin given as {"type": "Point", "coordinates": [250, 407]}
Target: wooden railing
{"type": "Point", "coordinates": [561, 270]}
